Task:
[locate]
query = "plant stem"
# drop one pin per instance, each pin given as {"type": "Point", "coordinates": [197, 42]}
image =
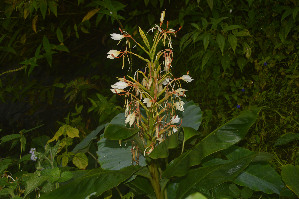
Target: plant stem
{"type": "Point", "coordinates": [155, 179]}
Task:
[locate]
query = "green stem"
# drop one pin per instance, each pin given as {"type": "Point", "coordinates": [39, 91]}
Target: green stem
{"type": "Point", "coordinates": [155, 180]}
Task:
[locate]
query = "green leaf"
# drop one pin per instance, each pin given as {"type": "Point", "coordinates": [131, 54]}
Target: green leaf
{"type": "Point", "coordinates": [230, 27]}
{"type": "Point", "coordinates": [290, 175]}
{"type": "Point", "coordinates": [4, 164]}
{"type": "Point", "coordinates": [52, 174]}
{"type": "Point", "coordinates": [10, 137]}
{"type": "Point", "coordinates": [192, 115]}
{"type": "Point", "coordinates": [161, 150]}
{"type": "Point", "coordinates": [119, 132]}
{"type": "Point", "coordinates": [144, 38]}
{"type": "Point", "coordinates": [189, 133]}
{"type": "Point", "coordinates": [233, 41]}
{"type": "Point", "coordinates": [241, 63]}
{"type": "Point", "coordinates": [210, 3]}
{"type": "Point", "coordinates": [141, 185]}
{"type": "Point", "coordinates": [59, 35]}
{"type": "Point", "coordinates": [65, 130]}
{"type": "Point", "coordinates": [32, 182]}
{"type": "Point", "coordinates": [65, 176]}
{"type": "Point", "coordinates": [225, 61]}
{"type": "Point", "coordinates": [196, 195]}
{"type": "Point", "coordinates": [43, 8]}
{"type": "Point", "coordinates": [222, 138]}
{"type": "Point", "coordinates": [212, 176]}
{"type": "Point", "coordinates": [47, 47]}
{"type": "Point", "coordinates": [86, 141]}
{"type": "Point", "coordinates": [112, 156]}
{"type": "Point", "coordinates": [206, 40]}
{"type": "Point", "coordinates": [287, 138]}
{"type": "Point", "coordinates": [242, 33]}
{"type": "Point", "coordinates": [53, 7]}
{"type": "Point", "coordinates": [94, 182]}
{"type": "Point", "coordinates": [261, 177]}
{"type": "Point", "coordinates": [80, 160]}
{"type": "Point", "coordinates": [206, 58]}
{"type": "Point", "coordinates": [221, 42]}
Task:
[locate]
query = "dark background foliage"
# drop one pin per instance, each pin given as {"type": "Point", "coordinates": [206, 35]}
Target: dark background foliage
{"type": "Point", "coordinates": [53, 64]}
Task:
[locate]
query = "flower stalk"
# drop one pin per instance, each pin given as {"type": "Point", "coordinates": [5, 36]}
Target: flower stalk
{"type": "Point", "coordinates": [156, 93]}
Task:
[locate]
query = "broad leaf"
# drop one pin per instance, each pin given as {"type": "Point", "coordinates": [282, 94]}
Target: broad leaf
{"type": "Point", "coordinates": [287, 138]}
{"type": "Point", "coordinates": [94, 182]}
{"type": "Point", "coordinates": [206, 40]}
{"type": "Point", "coordinates": [212, 176]}
{"type": "Point", "coordinates": [144, 38]}
{"type": "Point", "coordinates": [192, 115]}
{"type": "Point", "coordinates": [222, 138]}
{"type": "Point", "coordinates": [115, 156]}
{"type": "Point", "coordinates": [142, 185]}
{"type": "Point", "coordinates": [161, 150]}
{"type": "Point", "coordinates": [261, 177]}
{"type": "Point", "coordinates": [290, 175]}
{"type": "Point", "coordinates": [206, 58]}
{"type": "Point", "coordinates": [119, 132]}
{"type": "Point", "coordinates": [86, 141]}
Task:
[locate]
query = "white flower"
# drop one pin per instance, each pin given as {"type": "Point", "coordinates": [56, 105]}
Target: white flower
{"type": "Point", "coordinates": [186, 78]}
{"type": "Point", "coordinates": [168, 61]}
{"type": "Point", "coordinates": [115, 90]}
{"type": "Point", "coordinates": [130, 119]}
{"type": "Point", "coordinates": [181, 92]}
{"type": "Point", "coordinates": [171, 30]}
{"type": "Point", "coordinates": [162, 16]}
{"type": "Point", "coordinates": [116, 37]}
{"type": "Point", "coordinates": [179, 105]}
{"type": "Point", "coordinates": [175, 119]}
{"type": "Point", "coordinates": [120, 85]}
{"type": "Point", "coordinates": [166, 81]}
{"type": "Point", "coordinates": [112, 54]}
{"type": "Point", "coordinates": [148, 102]}
{"type": "Point", "coordinates": [175, 129]}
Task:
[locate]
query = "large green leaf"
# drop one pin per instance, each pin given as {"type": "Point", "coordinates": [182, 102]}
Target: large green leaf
{"type": "Point", "coordinates": [212, 176]}
{"type": "Point", "coordinates": [86, 141]}
{"type": "Point", "coordinates": [261, 177]}
{"type": "Point", "coordinates": [290, 175]}
{"type": "Point", "coordinates": [258, 176]}
{"type": "Point", "coordinates": [94, 182]}
{"type": "Point", "coordinates": [119, 132]}
{"type": "Point", "coordinates": [142, 185]}
{"type": "Point", "coordinates": [114, 156]}
{"type": "Point", "coordinates": [192, 115]}
{"type": "Point", "coordinates": [222, 138]}
{"type": "Point", "coordinates": [161, 150]}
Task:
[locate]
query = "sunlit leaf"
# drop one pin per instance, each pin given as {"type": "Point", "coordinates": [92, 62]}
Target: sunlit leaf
{"type": "Point", "coordinates": [80, 160]}
{"type": "Point", "coordinates": [90, 14]}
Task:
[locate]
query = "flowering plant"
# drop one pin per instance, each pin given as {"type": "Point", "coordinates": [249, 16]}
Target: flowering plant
{"type": "Point", "coordinates": [153, 91]}
{"type": "Point", "coordinates": [157, 120]}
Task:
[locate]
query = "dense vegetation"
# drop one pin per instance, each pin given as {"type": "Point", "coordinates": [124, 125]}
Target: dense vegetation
{"type": "Point", "coordinates": [55, 96]}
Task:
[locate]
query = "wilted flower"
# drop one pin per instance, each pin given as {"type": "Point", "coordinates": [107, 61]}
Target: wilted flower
{"type": "Point", "coordinates": [130, 119]}
{"type": "Point", "coordinates": [175, 119]}
{"type": "Point", "coordinates": [115, 90]}
{"type": "Point", "coordinates": [162, 16]}
{"type": "Point", "coordinates": [116, 36]}
{"type": "Point", "coordinates": [180, 92]}
{"type": "Point", "coordinates": [113, 54]}
{"type": "Point", "coordinates": [120, 85]}
{"type": "Point", "coordinates": [186, 78]}
{"type": "Point", "coordinates": [166, 81]}
{"type": "Point", "coordinates": [179, 105]}
{"type": "Point", "coordinates": [148, 102]}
